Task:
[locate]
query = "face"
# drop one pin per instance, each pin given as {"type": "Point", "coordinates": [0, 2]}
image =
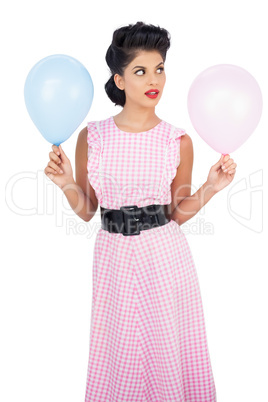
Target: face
{"type": "Point", "coordinates": [145, 73]}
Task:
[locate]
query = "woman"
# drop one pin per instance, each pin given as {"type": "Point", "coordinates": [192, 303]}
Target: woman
{"type": "Point", "coordinates": [148, 339]}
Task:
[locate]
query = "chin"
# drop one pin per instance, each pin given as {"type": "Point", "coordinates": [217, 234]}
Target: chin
{"type": "Point", "coordinates": [152, 102]}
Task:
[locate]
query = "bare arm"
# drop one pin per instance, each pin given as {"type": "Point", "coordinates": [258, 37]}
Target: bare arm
{"type": "Point", "coordinates": [79, 193]}
{"type": "Point", "coordinates": [184, 205]}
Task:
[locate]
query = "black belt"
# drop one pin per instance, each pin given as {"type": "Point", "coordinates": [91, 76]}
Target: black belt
{"type": "Point", "coordinates": [130, 220]}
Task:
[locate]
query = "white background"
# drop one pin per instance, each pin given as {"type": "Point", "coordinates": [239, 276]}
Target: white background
{"type": "Point", "coordinates": [46, 267]}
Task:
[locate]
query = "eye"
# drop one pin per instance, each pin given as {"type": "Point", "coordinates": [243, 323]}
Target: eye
{"type": "Point", "coordinates": [161, 69]}
{"type": "Point", "coordinates": [138, 72]}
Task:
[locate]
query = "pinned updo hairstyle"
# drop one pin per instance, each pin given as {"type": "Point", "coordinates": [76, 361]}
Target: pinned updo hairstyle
{"type": "Point", "coordinates": [126, 43]}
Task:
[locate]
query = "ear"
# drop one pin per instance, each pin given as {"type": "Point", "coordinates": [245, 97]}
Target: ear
{"type": "Point", "coordinates": [119, 81]}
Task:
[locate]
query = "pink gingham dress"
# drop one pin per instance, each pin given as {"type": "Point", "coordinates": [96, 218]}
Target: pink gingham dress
{"type": "Point", "coordinates": [147, 336]}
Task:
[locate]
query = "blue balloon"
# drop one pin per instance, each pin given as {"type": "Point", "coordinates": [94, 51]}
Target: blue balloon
{"type": "Point", "coordinates": [58, 94]}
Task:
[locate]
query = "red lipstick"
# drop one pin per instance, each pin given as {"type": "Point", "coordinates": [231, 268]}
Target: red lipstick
{"type": "Point", "coordinates": [152, 93]}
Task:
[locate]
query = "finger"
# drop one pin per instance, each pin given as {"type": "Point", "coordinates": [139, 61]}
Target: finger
{"type": "Point", "coordinates": [217, 164]}
{"type": "Point", "coordinates": [55, 167]}
{"type": "Point", "coordinates": [226, 158]}
{"type": "Point", "coordinates": [232, 171]}
{"type": "Point", "coordinates": [64, 157]}
{"type": "Point", "coordinates": [230, 160]}
{"type": "Point", "coordinates": [221, 158]}
{"type": "Point", "coordinates": [231, 165]}
{"type": "Point", "coordinates": [51, 176]}
{"type": "Point", "coordinates": [49, 173]}
{"type": "Point", "coordinates": [50, 170]}
{"type": "Point", "coordinates": [56, 149]}
{"type": "Point", "coordinates": [228, 166]}
{"type": "Point", "coordinates": [54, 157]}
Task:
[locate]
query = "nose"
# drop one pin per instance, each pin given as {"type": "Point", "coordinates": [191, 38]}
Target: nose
{"type": "Point", "coordinates": [152, 78]}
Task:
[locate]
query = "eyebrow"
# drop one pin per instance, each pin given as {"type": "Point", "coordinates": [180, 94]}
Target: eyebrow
{"type": "Point", "coordinates": [145, 67]}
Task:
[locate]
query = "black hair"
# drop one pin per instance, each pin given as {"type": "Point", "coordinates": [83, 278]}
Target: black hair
{"type": "Point", "coordinates": [126, 43]}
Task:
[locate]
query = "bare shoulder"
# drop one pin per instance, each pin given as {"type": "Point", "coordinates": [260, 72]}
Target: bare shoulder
{"type": "Point", "coordinates": [81, 149]}
{"type": "Point", "coordinates": [81, 144]}
{"type": "Point", "coordinates": [186, 148]}
{"type": "Point", "coordinates": [81, 159]}
{"type": "Point", "coordinates": [186, 138]}
{"type": "Point", "coordinates": [186, 142]}
{"type": "Point", "coordinates": [82, 136]}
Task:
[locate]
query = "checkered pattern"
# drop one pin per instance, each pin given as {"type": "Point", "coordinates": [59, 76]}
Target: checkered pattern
{"type": "Point", "coordinates": [147, 336]}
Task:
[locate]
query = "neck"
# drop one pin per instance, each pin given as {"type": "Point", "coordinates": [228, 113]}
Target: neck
{"type": "Point", "coordinates": [137, 117]}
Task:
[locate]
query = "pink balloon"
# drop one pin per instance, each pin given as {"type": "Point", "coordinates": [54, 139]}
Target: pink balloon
{"type": "Point", "coordinates": [225, 106]}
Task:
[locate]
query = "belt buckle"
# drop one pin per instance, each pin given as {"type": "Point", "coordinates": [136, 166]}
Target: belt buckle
{"type": "Point", "coordinates": [152, 213]}
{"type": "Point", "coordinates": [128, 218]}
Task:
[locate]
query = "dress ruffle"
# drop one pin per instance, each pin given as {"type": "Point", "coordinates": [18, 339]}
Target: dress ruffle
{"type": "Point", "coordinates": [172, 161]}
{"type": "Point", "coordinates": [174, 155]}
{"type": "Point", "coordinates": [94, 154]}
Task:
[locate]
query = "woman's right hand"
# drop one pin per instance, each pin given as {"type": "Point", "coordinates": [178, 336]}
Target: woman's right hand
{"type": "Point", "coordinates": [59, 168]}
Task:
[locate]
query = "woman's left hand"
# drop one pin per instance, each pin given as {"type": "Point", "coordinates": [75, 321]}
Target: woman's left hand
{"type": "Point", "coordinates": [222, 173]}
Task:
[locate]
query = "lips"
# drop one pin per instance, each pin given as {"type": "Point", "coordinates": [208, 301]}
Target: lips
{"type": "Point", "coordinates": [152, 93]}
